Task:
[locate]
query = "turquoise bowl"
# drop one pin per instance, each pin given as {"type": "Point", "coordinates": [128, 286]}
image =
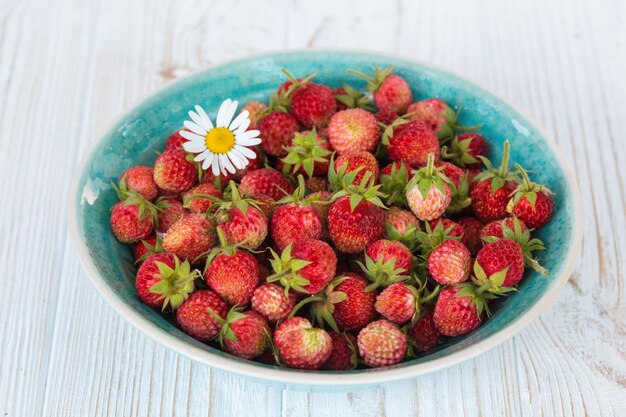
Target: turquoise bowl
{"type": "Point", "coordinates": [134, 138]}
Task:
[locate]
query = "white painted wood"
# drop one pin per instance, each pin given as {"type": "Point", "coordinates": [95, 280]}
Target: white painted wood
{"type": "Point", "coordinates": [67, 68]}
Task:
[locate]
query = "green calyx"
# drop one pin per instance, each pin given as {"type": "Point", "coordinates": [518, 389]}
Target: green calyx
{"type": "Point", "coordinates": [478, 294]}
{"type": "Point", "coordinates": [459, 196]}
{"type": "Point", "coordinates": [175, 284]}
{"type": "Point", "coordinates": [458, 153]}
{"type": "Point", "coordinates": [223, 248]}
{"type": "Point", "coordinates": [408, 238]}
{"type": "Point", "coordinates": [343, 185]}
{"type": "Point", "coordinates": [281, 100]}
{"type": "Point", "coordinates": [429, 238]}
{"type": "Point", "coordinates": [354, 99]}
{"type": "Point", "coordinates": [393, 185]}
{"type": "Point", "coordinates": [152, 250]}
{"type": "Point", "coordinates": [427, 177]}
{"type": "Point", "coordinates": [147, 209]}
{"type": "Point", "coordinates": [422, 296]}
{"type": "Point", "coordinates": [450, 126]}
{"type": "Point", "coordinates": [374, 82]}
{"type": "Point", "coordinates": [232, 199]}
{"type": "Point", "coordinates": [381, 274]}
{"type": "Point", "coordinates": [304, 152]}
{"type": "Point", "coordinates": [286, 270]}
{"type": "Point", "coordinates": [226, 332]}
{"type": "Point", "coordinates": [492, 283]}
{"type": "Point", "coordinates": [526, 188]}
{"type": "Point", "coordinates": [389, 129]}
{"type": "Point", "coordinates": [498, 176]}
{"type": "Point", "coordinates": [322, 305]}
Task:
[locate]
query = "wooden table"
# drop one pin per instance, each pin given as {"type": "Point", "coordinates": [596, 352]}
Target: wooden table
{"type": "Point", "coordinates": [68, 67]}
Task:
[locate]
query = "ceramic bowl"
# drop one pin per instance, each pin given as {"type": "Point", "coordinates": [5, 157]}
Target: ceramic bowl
{"type": "Point", "coordinates": [136, 135]}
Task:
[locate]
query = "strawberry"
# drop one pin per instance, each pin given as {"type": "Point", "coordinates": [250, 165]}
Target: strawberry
{"type": "Point", "coordinates": [397, 302]}
{"type": "Point", "coordinates": [255, 110]}
{"type": "Point", "coordinates": [459, 186]}
{"type": "Point", "coordinates": [495, 228]}
{"type": "Point", "coordinates": [504, 255]}
{"type": "Point", "coordinates": [169, 212]}
{"type": "Point", "coordinates": [270, 301]}
{"type": "Point", "coordinates": [394, 178]}
{"type": "Point", "coordinates": [306, 266]}
{"type": "Point", "coordinates": [197, 315]}
{"type": "Point", "coordinates": [386, 116]}
{"type": "Point", "coordinates": [532, 203]}
{"type": "Point", "coordinates": [353, 130]}
{"type": "Point", "coordinates": [132, 219]}
{"type": "Point", "coordinates": [437, 115]}
{"type": "Point", "coordinates": [175, 141]}
{"type": "Point", "coordinates": [163, 281]}
{"type": "Point", "coordinates": [295, 219]}
{"type": "Point", "coordinates": [361, 161]}
{"type": "Point", "coordinates": [313, 105]}
{"type": "Point", "coordinates": [190, 237]}
{"type": "Point", "coordinates": [412, 143]}
{"type": "Point", "coordinates": [458, 311]}
{"type": "Point", "coordinates": [319, 201]}
{"type": "Point", "coordinates": [300, 345]}
{"type": "Point", "coordinates": [386, 250]}
{"type": "Point", "coordinates": [453, 228]}
{"type": "Point", "coordinates": [277, 130]}
{"type": "Point", "coordinates": [357, 308]}
{"type": "Point", "coordinates": [453, 172]}
{"type": "Point", "coordinates": [471, 233]}
{"type": "Point", "coordinates": [428, 193]}
{"type": "Point", "coordinates": [424, 334]}
{"type": "Point", "coordinates": [241, 219]}
{"type": "Point", "coordinates": [173, 172]}
{"type": "Point", "coordinates": [308, 154]}
{"type": "Point", "coordinates": [139, 179]}
{"type": "Point", "coordinates": [200, 198]}
{"type": "Point", "coordinates": [491, 189]}
{"type": "Point", "coordinates": [450, 263]}
{"type": "Point", "coordinates": [390, 91]}
{"type": "Point", "coordinates": [244, 334]}
{"type": "Point", "coordinates": [401, 225]}
{"type": "Point", "coordinates": [343, 356]}
{"type": "Point", "coordinates": [316, 184]}
{"type": "Point", "coordinates": [431, 237]}
{"type": "Point", "coordinates": [146, 248]}
{"type": "Point", "coordinates": [266, 182]}
{"type": "Point", "coordinates": [466, 150]}
{"type": "Point", "coordinates": [381, 343]}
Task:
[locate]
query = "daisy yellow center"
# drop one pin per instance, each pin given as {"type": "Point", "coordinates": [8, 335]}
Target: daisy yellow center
{"type": "Point", "coordinates": [219, 140]}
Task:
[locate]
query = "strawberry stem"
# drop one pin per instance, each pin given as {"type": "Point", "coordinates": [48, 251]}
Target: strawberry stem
{"type": "Point", "coordinates": [504, 166]}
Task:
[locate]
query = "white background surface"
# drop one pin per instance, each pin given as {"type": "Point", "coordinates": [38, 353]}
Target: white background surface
{"type": "Point", "coordinates": [68, 67]}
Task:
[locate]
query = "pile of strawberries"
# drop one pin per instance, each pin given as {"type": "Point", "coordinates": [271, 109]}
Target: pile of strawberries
{"type": "Point", "coordinates": [368, 229]}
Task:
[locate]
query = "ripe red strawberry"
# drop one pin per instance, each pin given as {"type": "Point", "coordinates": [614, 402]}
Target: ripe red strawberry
{"type": "Point", "coordinates": [139, 179]}
{"type": "Point", "coordinates": [495, 228]}
{"type": "Point", "coordinates": [357, 308]}
{"type": "Point", "coordinates": [196, 316]}
{"type": "Point", "coordinates": [453, 228]}
{"type": "Point", "coordinates": [266, 182]}
{"type": "Point", "coordinates": [146, 248]}
{"type": "Point", "coordinates": [163, 281]}
{"type": "Point", "coordinates": [435, 113]}
{"type": "Point", "coordinates": [353, 228]}
{"type": "Point", "coordinates": [308, 154]}
{"type": "Point", "coordinates": [244, 334]}
{"type": "Point", "coordinates": [198, 199]}
{"type": "Point", "coordinates": [277, 130]}
{"type": "Point", "coordinates": [343, 356]}
{"type": "Point", "coordinates": [453, 172]}
{"type": "Point", "coordinates": [254, 109]}
{"type": "Point", "coordinates": [313, 105]}
{"type": "Point", "coordinates": [190, 237]}
{"type": "Point", "coordinates": [397, 302]}
{"type": "Point", "coordinates": [501, 255]}
{"type": "Point", "coordinates": [233, 274]}
{"type": "Point", "coordinates": [386, 116]}
{"type": "Point", "coordinates": [424, 334]}
{"type": "Point", "coordinates": [381, 343]}
{"type": "Point", "coordinates": [316, 184]}
{"type": "Point", "coordinates": [362, 161]}
{"type": "Point", "coordinates": [490, 192]}
{"type": "Point", "coordinates": [466, 150]}
{"type": "Point", "coordinates": [132, 219]}
{"type": "Point", "coordinates": [306, 266]}
{"type": "Point", "coordinates": [175, 141]}
{"type": "Point", "coordinates": [450, 263]}
{"type": "Point", "coordinates": [532, 203]}
{"type": "Point", "coordinates": [386, 250]}
{"type": "Point", "coordinates": [458, 311]}
{"type": "Point", "coordinates": [300, 345]}
{"type": "Point", "coordinates": [353, 130]}
{"type": "Point", "coordinates": [471, 233]}
{"type": "Point", "coordinates": [270, 301]}
{"type": "Point", "coordinates": [428, 194]}
{"type": "Point", "coordinates": [319, 201]}
{"type": "Point", "coordinates": [412, 143]}
{"type": "Point", "coordinates": [169, 212]}
{"type": "Point", "coordinates": [401, 225]}
{"type": "Point", "coordinates": [391, 91]}
{"type": "Point", "coordinates": [173, 172]}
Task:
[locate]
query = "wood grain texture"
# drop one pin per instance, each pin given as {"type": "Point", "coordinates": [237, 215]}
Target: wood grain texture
{"type": "Point", "coordinates": [67, 68]}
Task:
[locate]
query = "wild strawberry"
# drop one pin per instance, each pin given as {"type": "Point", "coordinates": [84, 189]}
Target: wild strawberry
{"type": "Point", "coordinates": [146, 248]}
{"type": "Point", "coordinates": [386, 116]}
{"type": "Point", "coordinates": [532, 203]}
{"type": "Point", "coordinates": [459, 186]}
{"type": "Point", "coordinates": [435, 113]}
{"type": "Point", "coordinates": [173, 172]}
{"type": "Point", "coordinates": [428, 193]}
{"type": "Point", "coordinates": [133, 219]}
{"type": "Point", "coordinates": [503, 255]}
{"type": "Point", "coordinates": [200, 198]}
{"type": "Point", "coordinates": [163, 281]}
{"type": "Point", "coordinates": [350, 98]}
{"type": "Point", "coordinates": [412, 143]}
{"type": "Point", "coordinates": [490, 192]}
{"type": "Point", "coordinates": [466, 150]}
{"type": "Point", "coordinates": [139, 179]}
{"type": "Point", "coordinates": [394, 178]}
{"type": "Point", "coordinates": [353, 130]}
{"type": "Point", "coordinates": [313, 105]}
{"type": "Point", "coordinates": [270, 301]}
{"type": "Point", "coordinates": [432, 237]}
{"type": "Point", "coordinates": [266, 182]}
{"type": "Point", "coordinates": [316, 184]}
{"type": "Point", "coordinates": [169, 212]}
{"type": "Point", "coordinates": [277, 130]}
{"type": "Point", "coordinates": [175, 142]}
{"type": "Point", "coordinates": [386, 250]}
{"type": "Point", "coordinates": [451, 171]}
{"type": "Point", "coordinates": [450, 263]}
{"type": "Point", "coordinates": [254, 109]}
{"type": "Point", "coordinates": [397, 302]}
{"type": "Point", "coordinates": [343, 356]}
{"type": "Point", "coordinates": [306, 266]}
{"type": "Point", "coordinates": [401, 225]}
{"type": "Point", "coordinates": [424, 334]}
{"type": "Point", "coordinates": [318, 202]}
{"type": "Point", "coordinates": [452, 228]}
{"type": "Point", "coordinates": [458, 311]}
{"type": "Point", "coordinates": [300, 345]}
{"type": "Point", "coordinates": [362, 161]}
{"type": "Point", "coordinates": [244, 334]}
{"type": "Point", "coordinates": [381, 343]}
{"type": "Point", "coordinates": [190, 237]}
{"type": "Point", "coordinates": [308, 154]}
{"type": "Point", "coordinates": [471, 233]}
{"type": "Point", "coordinates": [391, 91]}
{"type": "Point", "coordinates": [197, 315]}
{"type": "Point", "coordinates": [357, 308]}
{"type": "Point", "coordinates": [495, 228]}
{"type": "Point", "coordinates": [295, 219]}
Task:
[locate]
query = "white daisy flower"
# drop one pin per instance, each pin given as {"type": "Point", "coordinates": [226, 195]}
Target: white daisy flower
{"type": "Point", "coordinates": [225, 147]}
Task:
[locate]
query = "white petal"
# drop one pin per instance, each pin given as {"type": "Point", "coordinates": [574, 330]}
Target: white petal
{"type": "Point", "coordinates": [248, 134]}
{"type": "Point", "coordinates": [242, 127]}
{"type": "Point", "coordinates": [191, 136]}
{"type": "Point", "coordinates": [238, 159]}
{"type": "Point", "coordinates": [210, 158]}
{"type": "Point", "coordinates": [198, 120]}
{"type": "Point", "coordinates": [247, 152]}
{"type": "Point", "coordinates": [194, 146]}
{"type": "Point", "coordinates": [226, 164]}
{"type": "Point", "coordinates": [249, 142]}
{"type": "Point", "coordinates": [226, 112]}
{"type": "Point", "coordinates": [202, 156]}
{"type": "Point", "coordinates": [215, 167]}
{"type": "Point", "coordinates": [194, 127]}
{"type": "Point", "coordinates": [238, 120]}
{"type": "Point", "coordinates": [206, 120]}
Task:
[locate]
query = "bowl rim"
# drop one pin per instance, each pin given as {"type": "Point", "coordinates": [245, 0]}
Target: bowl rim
{"type": "Point", "coordinates": [316, 378]}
